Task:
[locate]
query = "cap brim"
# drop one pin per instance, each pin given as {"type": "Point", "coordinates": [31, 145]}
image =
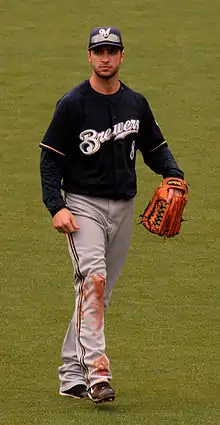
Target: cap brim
{"type": "Point", "coordinates": [104, 43]}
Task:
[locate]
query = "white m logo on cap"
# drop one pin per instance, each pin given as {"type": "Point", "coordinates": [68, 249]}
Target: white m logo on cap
{"type": "Point", "coordinates": [104, 33]}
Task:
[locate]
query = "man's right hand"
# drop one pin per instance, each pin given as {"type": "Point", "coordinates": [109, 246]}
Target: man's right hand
{"type": "Point", "coordinates": [65, 222]}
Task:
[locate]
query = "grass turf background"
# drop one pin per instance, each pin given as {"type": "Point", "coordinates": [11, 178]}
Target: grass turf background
{"type": "Point", "coordinates": [162, 328]}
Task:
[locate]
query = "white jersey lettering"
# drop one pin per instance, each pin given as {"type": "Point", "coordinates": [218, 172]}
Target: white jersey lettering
{"type": "Point", "coordinates": [92, 140]}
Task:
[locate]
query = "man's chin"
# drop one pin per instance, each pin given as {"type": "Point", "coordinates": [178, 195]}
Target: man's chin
{"type": "Point", "coordinates": [105, 75]}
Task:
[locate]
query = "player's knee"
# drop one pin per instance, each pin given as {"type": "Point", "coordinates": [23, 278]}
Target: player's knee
{"type": "Point", "coordinates": [93, 299]}
{"type": "Point", "coordinates": [97, 281]}
{"type": "Point", "coordinates": [94, 288]}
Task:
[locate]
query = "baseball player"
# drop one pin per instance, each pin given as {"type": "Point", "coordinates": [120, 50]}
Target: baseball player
{"type": "Point", "coordinates": [89, 185]}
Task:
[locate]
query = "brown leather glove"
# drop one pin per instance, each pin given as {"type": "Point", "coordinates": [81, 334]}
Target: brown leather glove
{"type": "Point", "coordinates": [163, 216]}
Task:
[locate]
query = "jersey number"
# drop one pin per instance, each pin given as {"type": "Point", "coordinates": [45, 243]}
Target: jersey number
{"type": "Point", "coordinates": [132, 150]}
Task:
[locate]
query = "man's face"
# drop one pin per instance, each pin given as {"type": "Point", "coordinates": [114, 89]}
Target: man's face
{"type": "Point", "coordinates": [105, 60]}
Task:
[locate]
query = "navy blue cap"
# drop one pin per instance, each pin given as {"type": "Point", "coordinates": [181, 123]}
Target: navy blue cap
{"type": "Point", "coordinates": [105, 36]}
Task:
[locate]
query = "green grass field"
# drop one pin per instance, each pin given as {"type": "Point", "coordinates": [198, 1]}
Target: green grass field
{"type": "Point", "coordinates": [163, 325]}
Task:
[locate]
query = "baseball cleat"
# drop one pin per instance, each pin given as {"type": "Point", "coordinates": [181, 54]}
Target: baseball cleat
{"type": "Point", "coordinates": [78, 391]}
{"type": "Point", "coordinates": [101, 392]}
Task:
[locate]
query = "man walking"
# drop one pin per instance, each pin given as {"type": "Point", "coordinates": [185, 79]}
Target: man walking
{"type": "Point", "coordinates": [89, 152]}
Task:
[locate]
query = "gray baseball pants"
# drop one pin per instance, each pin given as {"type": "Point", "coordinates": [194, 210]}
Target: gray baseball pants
{"type": "Point", "coordinates": [98, 251]}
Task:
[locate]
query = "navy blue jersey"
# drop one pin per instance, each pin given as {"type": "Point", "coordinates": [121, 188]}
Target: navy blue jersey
{"type": "Point", "coordinates": [95, 137]}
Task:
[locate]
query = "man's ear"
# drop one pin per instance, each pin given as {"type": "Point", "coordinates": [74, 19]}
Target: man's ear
{"type": "Point", "coordinates": [122, 55]}
{"type": "Point", "coordinates": [89, 56]}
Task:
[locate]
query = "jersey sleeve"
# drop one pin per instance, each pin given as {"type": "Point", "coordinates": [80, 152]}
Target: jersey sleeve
{"type": "Point", "coordinates": [150, 137]}
{"type": "Point", "coordinates": [51, 170]}
{"type": "Point", "coordinates": [56, 136]}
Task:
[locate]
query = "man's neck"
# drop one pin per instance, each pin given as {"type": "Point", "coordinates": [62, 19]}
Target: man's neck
{"type": "Point", "coordinates": [105, 86]}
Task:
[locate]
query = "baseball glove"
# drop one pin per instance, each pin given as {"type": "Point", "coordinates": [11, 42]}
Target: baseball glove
{"type": "Point", "coordinates": [162, 217]}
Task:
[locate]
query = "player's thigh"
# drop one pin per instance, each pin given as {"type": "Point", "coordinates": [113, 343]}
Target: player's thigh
{"type": "Point", "coordinates": [87, 247]}
{"type": "Point", "coordinates": [117, 251]}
